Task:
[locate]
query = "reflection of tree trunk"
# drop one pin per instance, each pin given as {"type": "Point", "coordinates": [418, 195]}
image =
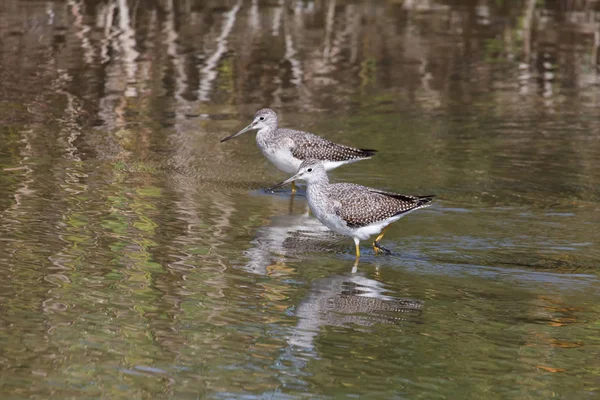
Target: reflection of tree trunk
{"type": "Point", "coordinates": [527, 30]}
{"type": "Point", "coordinates": [329, 19]}
{"type": "Point", "coordinates": [254, 16]}
{"type": "Point", "coordinates": [106, 19]}
{"type": "Point", "coordinates": [340, 39]}
{"type": "Point", "coordinates": [595, 60]}
{"type": "Point", "coordinates": [178, 60]}
{"type": "Point", "coordinates": [277, 16]}
{"type": "Point", "coordinates": [355, 27]}
{"type": "Point", "coordinates": [277, 79]}
{"type": "Point", "coordinates": [109, 103]}
{"type": "Point", "coordinates": [208, 73]}
{"type": "Point", "coordinates": [82, 32]}
{"type": "Point", "coordinates": [128, 52]}
{"type": "Point", "coordinates": [121, 78]}
{"type": "Point", "coordinates": [291, 55]}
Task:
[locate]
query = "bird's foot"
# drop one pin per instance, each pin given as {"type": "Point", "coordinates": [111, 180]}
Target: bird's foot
{"type": "Point", "coordinates": [380, 249]}
{"type": "Point", "coordinates": [275, 190]}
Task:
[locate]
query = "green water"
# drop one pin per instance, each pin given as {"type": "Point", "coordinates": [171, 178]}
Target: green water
{"type": "Point", "coordinates": [141, 259]}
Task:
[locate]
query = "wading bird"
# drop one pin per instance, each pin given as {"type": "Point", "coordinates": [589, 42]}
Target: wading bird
{"type": "Point", "coordinates": [288, 148]}
{"type": "Point", "coordinates": [354, 210]}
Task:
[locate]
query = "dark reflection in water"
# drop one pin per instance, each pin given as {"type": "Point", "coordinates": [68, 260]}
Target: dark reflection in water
{"type": "Point", "coordinates": [345, 300]}
{"type": "Point", "coordinates": [139, 257]}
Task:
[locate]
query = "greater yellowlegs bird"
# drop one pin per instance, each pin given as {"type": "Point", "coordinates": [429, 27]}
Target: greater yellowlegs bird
{"type": "Point", "coordinates": [287, 148]}
{"type": "Point", "coordinates": [354, 210]}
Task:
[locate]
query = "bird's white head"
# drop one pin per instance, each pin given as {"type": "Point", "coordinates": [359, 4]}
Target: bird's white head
{"type": "Point", "coordinates": [311, 171]}
{"type": "Point", "coordinates": [264, 118]}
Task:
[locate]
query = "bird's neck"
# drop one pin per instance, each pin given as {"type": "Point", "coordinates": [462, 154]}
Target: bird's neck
{"type": "Point", "coordinates": [265, 133]}
{"type": "Point", "coordinates": [318, 181]}
{"type": "Point", "coordinates": [317, 196]}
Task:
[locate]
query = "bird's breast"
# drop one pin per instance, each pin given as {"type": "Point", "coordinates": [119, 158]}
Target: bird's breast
{"type": "Point", "coordinates": [282, 158]}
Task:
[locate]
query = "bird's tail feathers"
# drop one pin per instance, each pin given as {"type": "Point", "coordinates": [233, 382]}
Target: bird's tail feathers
{"type": "Point", "coordinates": [423, 201]}
{"type": "Point", "coordinates": [367, 152]}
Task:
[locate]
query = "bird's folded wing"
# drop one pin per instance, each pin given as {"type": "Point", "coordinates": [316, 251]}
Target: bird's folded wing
{"type": "Point", "coordinates": [365, 206]}
{"type": "Point", "coordinates": [307, 146]}
{"type": "Point", "coordinates": [402, 197]}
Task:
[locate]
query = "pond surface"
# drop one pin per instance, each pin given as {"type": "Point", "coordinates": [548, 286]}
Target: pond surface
{"type": "Point", "coordinates": [140, 257]}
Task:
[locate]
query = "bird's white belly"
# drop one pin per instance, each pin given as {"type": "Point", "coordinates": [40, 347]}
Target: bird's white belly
{"type": "Point", "coordinates": [330, 220]}
{"type": "Point", "coordinates": [375, 228]}
{"type": "Point", "coordinates": [283, 159]}
{"type": "Point", "coordinates": [365, 232]}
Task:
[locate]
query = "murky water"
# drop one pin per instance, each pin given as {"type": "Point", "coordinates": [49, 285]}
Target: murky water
{"type": "Point", "coordinates": [141, 259]}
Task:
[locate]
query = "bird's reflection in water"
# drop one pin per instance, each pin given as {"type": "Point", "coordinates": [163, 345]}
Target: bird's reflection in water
{"type": "Point", "coordinates": [351, 299]}
{"type": "Point", "coordinates": [291, 235]}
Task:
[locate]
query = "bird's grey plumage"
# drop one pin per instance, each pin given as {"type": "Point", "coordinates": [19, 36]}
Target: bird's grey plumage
{"type": "Point", "coordinates": [353, 210]}
{"type": "Point", "coordinates": [310, 146]}
{"type": "Point", "coordinates": [287, 148]}
{"type": "Point", "coordinates": [361, 205]}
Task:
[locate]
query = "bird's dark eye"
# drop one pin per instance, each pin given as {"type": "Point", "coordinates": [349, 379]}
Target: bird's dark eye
{"type": "Point", "coordinates": [262, 118]}
{"type": "Point", "coordinates": [309, 170]}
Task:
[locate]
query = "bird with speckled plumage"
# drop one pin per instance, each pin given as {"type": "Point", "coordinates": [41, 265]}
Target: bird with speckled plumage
{"type": "Point", "coordinates": [288, 148]}
{"type": "Point", "coordinates": [354, 210]}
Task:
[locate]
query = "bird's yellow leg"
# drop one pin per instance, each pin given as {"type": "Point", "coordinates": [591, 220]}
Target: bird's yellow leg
{"type": "Point", "coordinates": [356, 242]}
{"type": "Point", "coordinates": [293, 187]}
{"type": "Point", "coordinates": [376, 246]}
{"type": "Point", "coordinates": [382, 233]}
{"type": "Point", "coordinates": [355, 266]}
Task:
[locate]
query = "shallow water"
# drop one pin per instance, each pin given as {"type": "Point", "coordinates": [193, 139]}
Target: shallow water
{"type": "Point", "coordinates": [140, 257]}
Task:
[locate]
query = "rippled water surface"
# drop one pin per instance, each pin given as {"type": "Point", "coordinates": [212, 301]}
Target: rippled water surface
{"type": "Point", "coordinates": [140, 257]}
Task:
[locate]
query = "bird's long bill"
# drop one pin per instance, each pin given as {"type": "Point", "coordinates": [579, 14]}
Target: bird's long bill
{"type": "Point", "coordinates": [249, 127]}
{"type": "Point", "coordinates": [292, 179]}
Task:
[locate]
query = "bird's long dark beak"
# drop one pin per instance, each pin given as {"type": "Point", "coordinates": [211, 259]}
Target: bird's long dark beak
{"type": "Point", "coordinates": [292, 179]}
{"type": "Point", "coordinates": [249, 127]}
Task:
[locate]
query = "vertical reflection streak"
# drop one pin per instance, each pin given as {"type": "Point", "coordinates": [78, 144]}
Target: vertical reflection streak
{"type": "Point", "coordinates": [50, 12]}
{"type": "Point", "coordinates": [82, 31]}
{"type": "Point", "coordinates": [596, 48]}
{"type": "Point", "coordinates": [106, 20]}
{"type": "Point", "coordinates": [527, 29]}
{"type": "Point", "coordinates": [208, 73]}
{"type": "Point", "coordinates": [277, 80]}
{"type": "Point", "coordinates": [128, 43]}
{"type": "Point", "coordinates": [254, 16]}
{"type": "Point", "coordinates": [277, 16]}
{"type": "Point", "coordinates": [330, 17]}
{"type": "Point", "coordinates": [291, 56]}
{"type": "Point", "coordinates": [171, 37]}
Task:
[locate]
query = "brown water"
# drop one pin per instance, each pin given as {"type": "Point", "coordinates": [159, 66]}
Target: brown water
{"type": "Point", "coordinates": [141, 259]}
